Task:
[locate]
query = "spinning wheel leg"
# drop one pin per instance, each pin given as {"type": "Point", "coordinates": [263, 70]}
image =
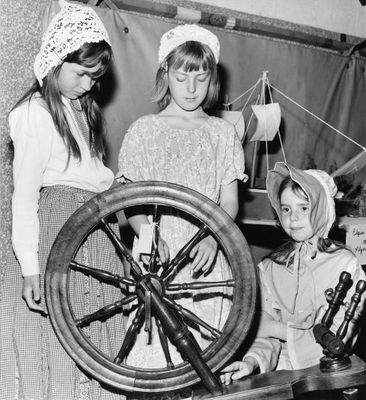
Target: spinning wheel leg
{"type": "Point", "coordinates": [185, 342]}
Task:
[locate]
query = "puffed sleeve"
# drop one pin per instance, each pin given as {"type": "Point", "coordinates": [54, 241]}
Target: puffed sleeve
{"type": "Point", "coordinates": [130, 158]}
{"type": "Point", "coordinates": [234, 164]}
{"type": "Point", "coordinates": [31, 129]}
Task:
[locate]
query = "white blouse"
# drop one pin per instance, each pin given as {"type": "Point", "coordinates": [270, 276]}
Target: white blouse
{"type": "Point", "coordinates": [40, 158]}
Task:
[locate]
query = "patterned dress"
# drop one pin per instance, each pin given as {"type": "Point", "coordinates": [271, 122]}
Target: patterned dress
{"type": "Point", "coordinates": [202, 159]}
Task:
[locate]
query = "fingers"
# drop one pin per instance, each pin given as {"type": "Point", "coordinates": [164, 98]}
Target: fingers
{"type": "Point", "coordinates": [235, 366]}
{"type": "Point", "coordinates": [226, 378]}
{"type": "Point", "coordinates": [241, 373]}
{"type": "Point", "coordinates": [202, 261]}
{"type": "Point", "coordinates": [163, 251]}
{"type": "Point", "coordinates": [227, 373]}
{"type": "Point", "coordinates": [235, 371]}
{"type": "Point", "coordinates": [203, 254]}
{"type": "Point", "coordinates": [31, 293]}
{"type": "Point", "coordinates": [164, 254]}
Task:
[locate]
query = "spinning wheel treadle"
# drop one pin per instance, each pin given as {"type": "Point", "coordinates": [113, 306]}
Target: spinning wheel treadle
{"type": "Point", "coordinates": [151, 290]}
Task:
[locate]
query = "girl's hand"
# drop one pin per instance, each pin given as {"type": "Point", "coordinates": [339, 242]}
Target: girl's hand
{"type": "Point", "coordinates": [163, 250]}
{"type": "Point", "coordinates": [31, 293]}
{"type": "Point", "coordinates": [203, 254]}
{"type": "Point", "coordinates": [238, 370]}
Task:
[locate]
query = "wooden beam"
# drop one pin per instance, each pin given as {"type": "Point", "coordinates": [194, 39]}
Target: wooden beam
{"type": "Point", "coordinates": [217, 17]}
{"type": "Point", "coordinates": [147, 7]}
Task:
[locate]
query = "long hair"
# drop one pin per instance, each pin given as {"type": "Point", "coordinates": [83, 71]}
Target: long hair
{"type": "Point", "coordinates": [325, 245]}
{"type": "Point", "coordinates": [190, 56]}
{"type": "Point", "coordinates": [88, 55]}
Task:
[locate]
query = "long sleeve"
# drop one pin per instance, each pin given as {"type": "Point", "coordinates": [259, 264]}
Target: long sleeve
{"type": "Point", "coordinates": [30, 129]}
{"type": "Point", "coordinates": [302, 348]}
{"type": "Point", "coordinates": [266, 351]}
{"type": "Point", "coordinates": [41, 159]}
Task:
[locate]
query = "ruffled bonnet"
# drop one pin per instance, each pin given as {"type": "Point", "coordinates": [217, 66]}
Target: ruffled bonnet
{"type": "Point", "coordinates": [319, 188]}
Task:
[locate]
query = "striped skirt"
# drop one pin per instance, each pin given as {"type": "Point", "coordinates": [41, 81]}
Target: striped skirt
{"type": "Point", "coordinates": [33, 364]}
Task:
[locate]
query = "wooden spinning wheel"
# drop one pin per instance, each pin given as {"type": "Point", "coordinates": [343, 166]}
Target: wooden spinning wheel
{"type": "Point", "coordinates": [151, 289]}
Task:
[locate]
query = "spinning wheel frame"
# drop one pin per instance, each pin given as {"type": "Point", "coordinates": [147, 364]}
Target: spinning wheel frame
{"type": "Point", "coordinates": [79, 226]}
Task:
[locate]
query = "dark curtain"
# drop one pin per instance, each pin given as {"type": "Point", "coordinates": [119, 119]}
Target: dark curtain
{"type": "Point", "coordinates": [330, 85]}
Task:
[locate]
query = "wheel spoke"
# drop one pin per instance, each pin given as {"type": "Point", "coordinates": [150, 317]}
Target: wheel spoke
{"type": "Point", "coordinates": [122, 249]}
{"type": "Point", "coordinates": [104, 311]}
{"type": "Point", "coordinates": [164, 344]}
{"type": "Point", "coordinates": [183, 253]}
{"type": "Point", "coordinates": [101, 275]}
{"type": "Point", "coordinates": [193, 318]}
{"type": "Point", "coordinates": [130, 335]}
{"type": "Point", "coordinates": [199, 285]}
{"type": "Point", "coordinates": [154, 267]}
{"type": "Point", "coordinates": [148, 322]}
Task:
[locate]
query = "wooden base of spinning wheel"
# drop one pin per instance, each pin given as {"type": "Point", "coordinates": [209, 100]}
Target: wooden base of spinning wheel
{"type": "Point", "coordinates": [285, 385]}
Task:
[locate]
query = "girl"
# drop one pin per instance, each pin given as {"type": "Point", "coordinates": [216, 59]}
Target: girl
{"type": "Point", "coordinates": [294, 277]}
{"type": "Point", "coordinates": [57, 134]}
{"type": "Point", "coordinates": [182, 144]}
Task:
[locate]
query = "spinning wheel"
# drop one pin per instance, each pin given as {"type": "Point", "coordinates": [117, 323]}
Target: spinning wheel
{"type": "Point", "coordinates": [149, 291]}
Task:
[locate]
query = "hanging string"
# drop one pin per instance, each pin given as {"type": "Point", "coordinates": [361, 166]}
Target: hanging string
{"type": "Point", "coordinates": [243, 94]}
{"type": "Point", "coordinates": [278, 131]}
{"type": "Point", "coordinates": [252, 89]}
{"type": "Point", "coordinates": [318, 118]}
{"type": "Point", "coordinates": [250, 119]}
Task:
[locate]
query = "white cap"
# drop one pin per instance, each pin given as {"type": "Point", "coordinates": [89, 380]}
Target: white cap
{"type": "Point", "coordinates": [186, 33]}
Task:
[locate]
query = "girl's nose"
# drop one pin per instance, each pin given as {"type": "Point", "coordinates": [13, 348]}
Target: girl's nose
{"type": "Point", "coordinates": [294, 215]}
{"type": "Point", "coordinates": [191, 85]}
{"type": "Point", "coordinates": [87, 83]}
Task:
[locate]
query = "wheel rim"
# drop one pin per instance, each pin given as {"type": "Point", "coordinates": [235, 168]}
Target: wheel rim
{"type": "Point", "coordinates": [90, 215]}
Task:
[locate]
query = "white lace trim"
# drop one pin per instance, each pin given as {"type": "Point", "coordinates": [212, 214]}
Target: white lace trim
{"type": "Point", "coordinates": [68, 30]}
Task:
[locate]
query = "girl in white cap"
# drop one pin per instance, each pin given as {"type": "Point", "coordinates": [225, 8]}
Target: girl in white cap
{"type": "Point", "coordinates": [57, 133]}
{"type": "Point", "coordinates": [294, 277]}
{"type": "Point", "coordinates": [182, 144]}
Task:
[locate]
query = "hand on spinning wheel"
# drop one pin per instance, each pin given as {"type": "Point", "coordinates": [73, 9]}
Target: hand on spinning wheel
{"type": "Point", "coordinates": [163, 250]}
{"type": "Point", "coordinates": [204, 254]}
{"type": "Point", "coordinates": [238, 370]}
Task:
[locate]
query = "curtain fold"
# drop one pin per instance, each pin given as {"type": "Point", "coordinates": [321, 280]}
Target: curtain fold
{"type": "Point", "coordinates": [330, 85]}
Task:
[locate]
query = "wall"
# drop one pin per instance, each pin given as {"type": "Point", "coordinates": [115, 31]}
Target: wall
{"type": "Point", "coordinates": [19, 42]}
{"type": "Point", "coordinates": [342, 16]}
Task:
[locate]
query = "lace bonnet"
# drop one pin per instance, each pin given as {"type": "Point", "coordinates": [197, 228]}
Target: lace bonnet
{"type": "Point", "coordinates": [68, 30]}
{"type": "Point", "coordinates": [186, 33]}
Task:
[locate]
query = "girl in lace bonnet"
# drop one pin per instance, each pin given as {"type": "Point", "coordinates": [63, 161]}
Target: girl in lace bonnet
{"type": "Point", "coordinates": [57, 132]}
{"type": "Point", "coordinates": [74, 35]}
